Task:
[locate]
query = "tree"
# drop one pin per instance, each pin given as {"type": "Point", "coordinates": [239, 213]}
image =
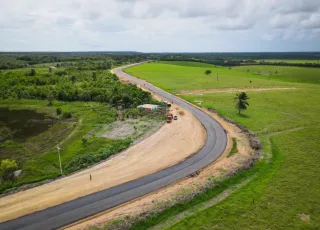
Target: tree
{"type": "Point", "coordinates": [208, 72]}
{"type": "Point", "coordinates": [73, 79]}
{"type": "Point", "coordinates": [7, 168]}
{"type": "Point", "coordinates": [241, 101]}
{"type": "Point", "coordinates": [94, 76]}
{"type": "Point", "coordinates": [32, 72]}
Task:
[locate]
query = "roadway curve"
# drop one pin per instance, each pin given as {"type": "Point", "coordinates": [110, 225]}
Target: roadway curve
{"type": "Point", "coordinates": [75, 210]}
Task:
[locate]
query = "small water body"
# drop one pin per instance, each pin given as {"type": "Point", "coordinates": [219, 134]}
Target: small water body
{"type": "Point", "coordinates": [18, 125]}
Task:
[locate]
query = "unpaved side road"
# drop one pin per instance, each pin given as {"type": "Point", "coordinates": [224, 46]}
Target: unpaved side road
{"type": "Point", "coordinates": [171, 144]}
{"type": "Point", "coordinates": [231, 90]}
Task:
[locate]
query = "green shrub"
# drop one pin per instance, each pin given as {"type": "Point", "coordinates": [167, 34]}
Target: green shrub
{"type": "Point", "coordinates": [84, 141]}
{"type": "Point", "coordinates": [67, 115]}
{"type": "Point", "coordinates": [7, 167]}
{"type": "Point", "coordinates": [8, 144]}
{"type": "Point", "coordinates": [59, 111]}
{"type": "Point", "coordinates": [84, 161]}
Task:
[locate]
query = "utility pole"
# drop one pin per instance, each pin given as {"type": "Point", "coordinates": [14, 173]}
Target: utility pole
{"type": "Point", "coordinates": [59, 159]}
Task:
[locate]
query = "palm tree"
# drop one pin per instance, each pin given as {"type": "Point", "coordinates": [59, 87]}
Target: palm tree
{"type": "Point", "coordinates": [241, 101]}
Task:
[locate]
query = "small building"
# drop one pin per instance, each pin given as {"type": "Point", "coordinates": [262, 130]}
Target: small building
{"type": "Point", "coordinates": [149, 107]}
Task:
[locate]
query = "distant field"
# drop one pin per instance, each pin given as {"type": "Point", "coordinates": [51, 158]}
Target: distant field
{"type": "Point", "coordinates": [284, 73]}
{"type": "Point", "coordinates": [180, 76]}
{"type": "Point", "coordinates": [190, 64]}
{"type": "Point", "coordinates": [284, 194]}
{"type": "Point", "coordinates": [175, 78]}
{"type": "Point", "coordinates": [290, 61]}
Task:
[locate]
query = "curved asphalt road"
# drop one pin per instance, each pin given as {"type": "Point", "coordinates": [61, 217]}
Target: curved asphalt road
{"type": "Point", "coordinates": [75, 210]}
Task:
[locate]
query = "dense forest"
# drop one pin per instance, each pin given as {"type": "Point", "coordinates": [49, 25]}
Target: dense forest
{"type": "Point", "coordinates": [79, 60]}
{"type": "Point", "coordinates": [106, 60]}
{"type": "Point", "coordinates": [70, 85]}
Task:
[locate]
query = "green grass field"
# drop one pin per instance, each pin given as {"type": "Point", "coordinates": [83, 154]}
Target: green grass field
{"type": "Point", "coordinates": [268, 111]}
{"type": "Point", "coordinates": [285, 191]}
{"type": "Point", "coordinates": [284, 73]}
{"type": "Point", "coordinates": [174, 78]}
{"type": "Point", "coordinates": [290, 61]}
{"type": "Point", "coordinates": [285, 196]}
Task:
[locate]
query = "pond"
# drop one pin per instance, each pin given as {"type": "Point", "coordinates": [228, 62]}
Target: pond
{"type": "Point", "coordinates": [18, 125]}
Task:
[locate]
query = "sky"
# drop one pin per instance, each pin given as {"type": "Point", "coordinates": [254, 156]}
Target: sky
{"type": "Point", "coordinates": [160, 25]}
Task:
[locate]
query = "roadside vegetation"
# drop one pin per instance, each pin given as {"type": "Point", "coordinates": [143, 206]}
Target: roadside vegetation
{"type": "Point", "coordinates": [284, 190]}
{"type": "Point", "coordinates": [234, 148]}
{"type": "Point", "coordinates": [42, 108]}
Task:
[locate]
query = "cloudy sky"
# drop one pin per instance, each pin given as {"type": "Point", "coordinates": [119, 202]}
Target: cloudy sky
{"type": "Point", "coordinates": [160, 25]}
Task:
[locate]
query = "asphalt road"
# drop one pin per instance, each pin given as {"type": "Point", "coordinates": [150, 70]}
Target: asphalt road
{"type": "Point", "coordinates": [75, 210]}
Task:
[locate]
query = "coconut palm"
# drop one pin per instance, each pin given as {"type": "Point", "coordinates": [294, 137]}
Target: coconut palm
{"type": "Point", "coordinates": [241, 101]}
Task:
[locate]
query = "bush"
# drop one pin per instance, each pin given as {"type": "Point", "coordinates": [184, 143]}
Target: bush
{"type": "Point", "coordinates": [81, 162]}
{"type": "Point", "coordinates": [84, 141]}
{"type": "Point", "coordinates": [9, 144]}
{"type": "Point", "coordinates": [7, 168]}
{"type": "Point", "coordinates": [67, 115]}
{"type": "Point", "coordinates": [59, 111]}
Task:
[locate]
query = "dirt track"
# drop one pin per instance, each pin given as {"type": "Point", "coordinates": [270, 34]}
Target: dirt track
{"type": "Point", "coordinates": [170, 145]}
{"type": "Point", "coordinates": [230, 90]}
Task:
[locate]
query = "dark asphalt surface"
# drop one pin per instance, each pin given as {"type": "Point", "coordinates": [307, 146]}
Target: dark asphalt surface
{"type": "Point", "coordinates": [75, 210]}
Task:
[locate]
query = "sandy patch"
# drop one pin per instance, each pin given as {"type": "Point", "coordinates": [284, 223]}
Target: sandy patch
{"type": "Point", "coordinates": [304, 217]}
{"type": "Point", "coordinates": [229, 90]}
{"type": "Point", "coordinates": [130, 128]}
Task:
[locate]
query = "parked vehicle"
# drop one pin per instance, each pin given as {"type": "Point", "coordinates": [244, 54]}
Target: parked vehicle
{"type": "Point", "coordinates": [169, 118]}
{"type": "Point", "coordinates": [175, 117]}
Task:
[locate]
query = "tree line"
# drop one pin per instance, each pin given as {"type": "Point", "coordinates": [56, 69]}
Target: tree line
{"type": "Point", "coordinates": [84, 60]}
{"type": "Point", "coordinates": [71, 85]}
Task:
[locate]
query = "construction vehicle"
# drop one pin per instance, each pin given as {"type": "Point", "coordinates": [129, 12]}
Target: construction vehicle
{"type": "Point", "coordinates": [169, 118]}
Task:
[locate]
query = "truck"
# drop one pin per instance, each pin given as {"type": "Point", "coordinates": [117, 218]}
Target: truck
{"type": "Point", "coordinates": [169, 118]}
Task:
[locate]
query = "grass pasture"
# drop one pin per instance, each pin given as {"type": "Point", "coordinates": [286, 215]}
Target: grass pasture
{"type": "Point", "coordinates": [284, 73]}
{"type": "Point", "coordinates": [174, 78]}
{"type": "Point", "coordinates": [268, 111]}
{"type": "Point", "coordinates": [284, 193]}
{"type": "Point", "coordinates": [292, 60]}
{"type": "Point", "coordinates": [285, 196]}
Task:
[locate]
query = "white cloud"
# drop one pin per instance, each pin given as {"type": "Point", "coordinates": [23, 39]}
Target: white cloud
{"type": "Point", "coordinates": [313, 22]}
{"type": "Point", "coordinates": [156, 25]}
